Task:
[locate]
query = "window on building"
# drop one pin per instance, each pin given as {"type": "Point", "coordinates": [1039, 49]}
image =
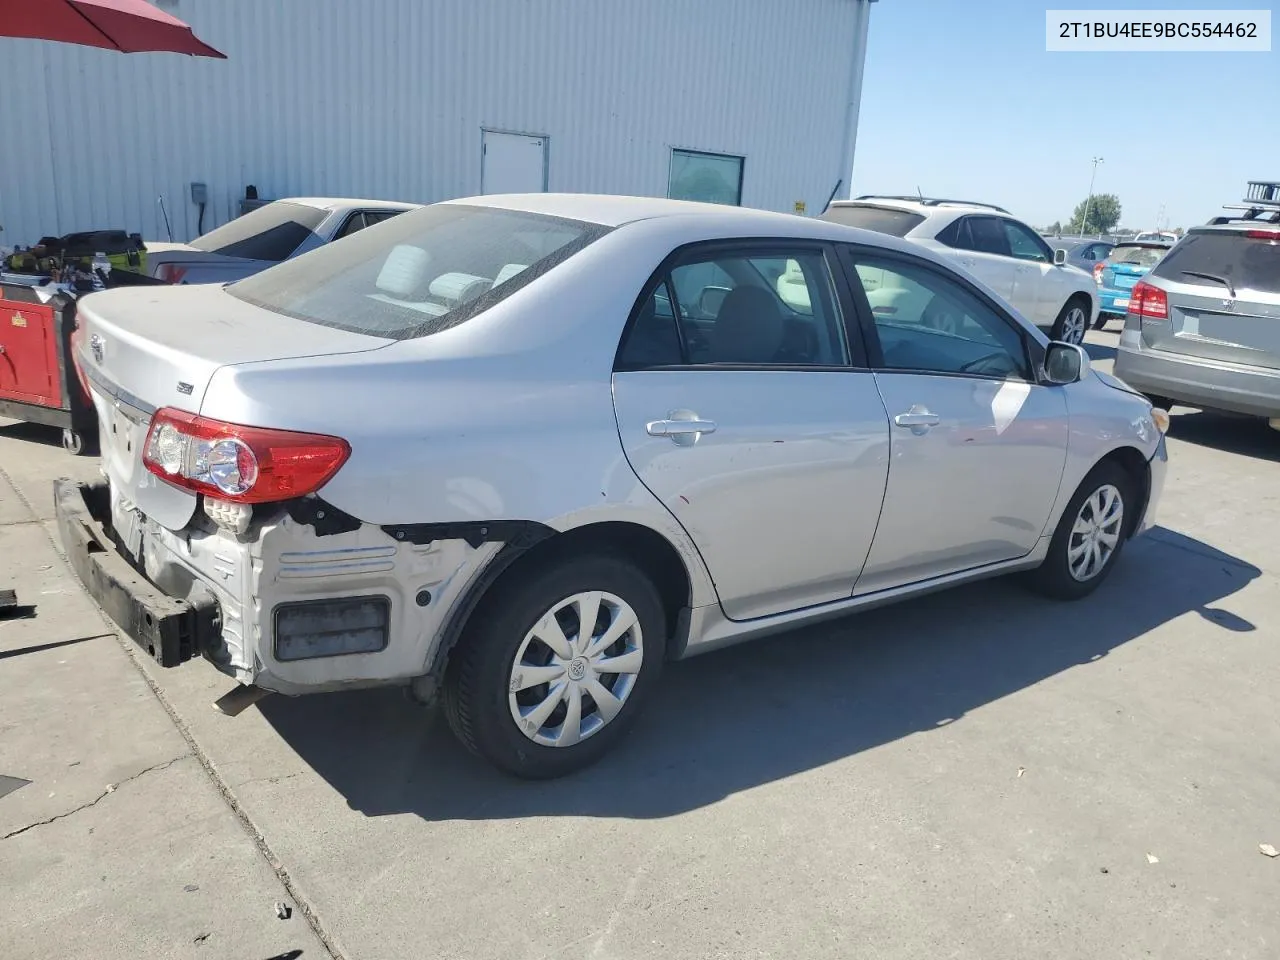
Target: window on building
{"type": "Point", "coordinates": [709, 177]}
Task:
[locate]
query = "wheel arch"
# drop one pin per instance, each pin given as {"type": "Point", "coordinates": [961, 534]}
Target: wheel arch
{"type": "Point", "coordinates": [1138, 467]}
{"type": "Point", "coordinates": [649, 549]}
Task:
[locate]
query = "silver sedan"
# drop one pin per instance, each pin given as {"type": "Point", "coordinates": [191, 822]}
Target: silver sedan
{"type": "Point", "coordinates": [517, 452]}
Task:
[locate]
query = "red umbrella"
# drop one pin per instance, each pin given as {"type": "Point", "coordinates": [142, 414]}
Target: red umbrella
{"type": "Point", "coordinates": [130, 26]}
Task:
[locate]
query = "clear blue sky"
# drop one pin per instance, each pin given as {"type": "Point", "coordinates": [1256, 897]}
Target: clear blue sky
{"type": "Point", "coordinates": [962, 100]}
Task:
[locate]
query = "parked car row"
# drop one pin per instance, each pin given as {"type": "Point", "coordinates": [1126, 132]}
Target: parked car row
{"type": "Point", "coordinates": [517, 452]}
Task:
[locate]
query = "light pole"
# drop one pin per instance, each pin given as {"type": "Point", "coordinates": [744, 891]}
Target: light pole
{"type": "Point", "coordinates": [1084, 224]}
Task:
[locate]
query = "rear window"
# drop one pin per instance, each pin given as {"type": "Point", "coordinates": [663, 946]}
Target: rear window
{"type": "Point", "coordinates": [896, 223]}
{"type": "Point", "coordinates": [270, 233]}
{"type": "Point", "coordinates": [419, 273]}
{"type": "Point", "coordinates": [1139, 256]}
{"type": "Point", "coordinates": [1248, 263]}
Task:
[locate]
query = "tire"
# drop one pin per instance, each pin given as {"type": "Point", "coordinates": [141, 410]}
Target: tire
{"type": "Point", "coordinates": [77, 444]}
{"type": "Point", "coordinates": [481, 703]}
{"type": "Point", "coordinates": [1055, 577]}
{"type": "Point", "coordinates": [1072, 322]}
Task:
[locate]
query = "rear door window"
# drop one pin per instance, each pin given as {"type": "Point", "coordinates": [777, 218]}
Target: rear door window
{"type": "Point", "coordinates": [271, 233]}
{"type": "Point", "coordinates": [987, 235]}
{"type": "Point", "coordinates": [1247, 263]}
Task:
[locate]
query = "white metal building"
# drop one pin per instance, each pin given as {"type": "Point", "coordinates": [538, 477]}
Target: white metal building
{"type": "Point", "coordinates": [750, 101]}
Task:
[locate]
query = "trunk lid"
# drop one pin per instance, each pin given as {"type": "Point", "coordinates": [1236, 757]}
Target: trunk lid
{"type": "Point", "coordinates": [1122, 276]}
{"type": "Point", "coordinates": [150, 347]}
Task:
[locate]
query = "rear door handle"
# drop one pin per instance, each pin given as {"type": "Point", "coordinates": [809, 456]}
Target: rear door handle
{"type": "Point", "coordinates": [918, 419]}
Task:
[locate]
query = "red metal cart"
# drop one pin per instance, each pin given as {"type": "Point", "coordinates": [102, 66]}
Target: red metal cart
{"type": "Point", "coordinates": [38, 382]}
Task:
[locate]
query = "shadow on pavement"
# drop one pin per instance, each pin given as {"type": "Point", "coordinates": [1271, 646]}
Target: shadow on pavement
{"type": "Point", "coordinates": [1248, 436]}
{"type": "Point", "coordinates": [1099, 351]}
{"type": "Point", "coordinates": [31, 432]}
{"type": "Point", "coordinates": [732, 720]}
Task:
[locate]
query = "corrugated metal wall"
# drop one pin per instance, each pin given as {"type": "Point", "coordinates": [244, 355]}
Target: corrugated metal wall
{"type": "Point", "coordinates": [387, 99]}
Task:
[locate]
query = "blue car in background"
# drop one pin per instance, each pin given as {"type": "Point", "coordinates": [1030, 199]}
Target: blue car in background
{"type": "Point", "coordinates": [1116, 276]}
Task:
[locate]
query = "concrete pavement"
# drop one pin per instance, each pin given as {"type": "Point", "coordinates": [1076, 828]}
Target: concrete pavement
{"type": "Point", "coordinates": [120, 844]}
{"type": "Point", "coordinates": [979, 774]}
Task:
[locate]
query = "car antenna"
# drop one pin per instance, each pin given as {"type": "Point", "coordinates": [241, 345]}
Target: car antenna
{"type": "Point", "coordinates": [918, 193]}
{"type": "Point", "coordinates": [168, 229]}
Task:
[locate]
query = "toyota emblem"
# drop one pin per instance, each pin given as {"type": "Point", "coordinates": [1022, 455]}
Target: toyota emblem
{"type": "Point", "coordinates": [96, 345]}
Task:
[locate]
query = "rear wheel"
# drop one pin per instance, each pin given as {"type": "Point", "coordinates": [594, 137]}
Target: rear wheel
{"type": "Point", "coordinates": [1071, 323]}
{"type": "Point", "coordinates": [556, 665]}
{"type": "Point", "coordinates": [1089, 536]}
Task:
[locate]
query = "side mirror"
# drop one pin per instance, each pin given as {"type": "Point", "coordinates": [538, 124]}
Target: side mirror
{"type": "Point", "coordinates": [1059, 256]}
{"type": "Point", "coordinates": [1065, 363]}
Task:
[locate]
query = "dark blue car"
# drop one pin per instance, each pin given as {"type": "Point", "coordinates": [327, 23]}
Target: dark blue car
{"type": "Point", "coordinates": [1116, 276]}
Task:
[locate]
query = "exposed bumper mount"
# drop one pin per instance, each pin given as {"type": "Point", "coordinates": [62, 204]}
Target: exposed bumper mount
{"type": "Point", "coordinates": [171, 631]}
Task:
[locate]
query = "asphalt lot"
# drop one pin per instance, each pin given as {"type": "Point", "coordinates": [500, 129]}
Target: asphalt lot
{"type": "Point", "coordinates": [978, 774]}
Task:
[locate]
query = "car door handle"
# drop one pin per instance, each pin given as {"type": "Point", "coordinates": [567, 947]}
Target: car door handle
{"type": "Point", "coordinates": [679, 428]}
{"type": "Point", "coordinates": [918, 419]}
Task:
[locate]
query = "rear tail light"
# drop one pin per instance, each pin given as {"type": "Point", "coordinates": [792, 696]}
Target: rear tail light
{"type": "Point", "coordinates": [1272, 235]}
{"type": "Point", "coordinates": [236, 463]}
{"type": "Point", "coordinates": [1097, 273]}
{"type": "Point", "coordinates": [171, 273]}
{"type": "Point", "coordinates": [1149, 302]}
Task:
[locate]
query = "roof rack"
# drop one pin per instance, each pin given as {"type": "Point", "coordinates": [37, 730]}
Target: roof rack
{"type": "Point", "coordinates": [933, 201]}
{"type": "Point", "coordinates": [1261, 203]}
{"type": "Point", "coordinates": [1263, 193]}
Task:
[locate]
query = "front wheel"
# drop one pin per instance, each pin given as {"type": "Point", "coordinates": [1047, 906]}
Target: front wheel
{"type": "Point", "coordinates": [556, 665]}
{"type": "Point", "coordinates": [1089, 536]}
{"type": "Point", "coordinates": [1071, 323]}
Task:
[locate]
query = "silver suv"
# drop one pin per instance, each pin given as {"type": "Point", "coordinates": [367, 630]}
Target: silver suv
{"type": "Point", "coordinates": [1203, 328]}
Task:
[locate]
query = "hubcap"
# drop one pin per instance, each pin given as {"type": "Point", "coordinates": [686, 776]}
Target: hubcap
{"type": "Point", "coordinates": [1073, 326]}
{"type": "Point", "coordinates": [575, 669]}
{"type": "Point", "coordinates": [1096, 533]}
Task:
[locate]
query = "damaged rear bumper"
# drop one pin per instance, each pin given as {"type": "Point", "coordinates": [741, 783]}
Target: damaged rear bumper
{"type": "Point", "coordinates": [171, 631]}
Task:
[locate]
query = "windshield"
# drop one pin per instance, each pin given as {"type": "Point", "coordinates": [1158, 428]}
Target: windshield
{"type": "Point", "coordinates": [418, 273]}
{"type": "Point", "coordinates": [271, 233]}
{"type": "Point", "coordinates": [896, 223]}
{"type": "Point", "coordinates": [1138, 256]}
{"type": "Point", "coordinates": [1247, 263]}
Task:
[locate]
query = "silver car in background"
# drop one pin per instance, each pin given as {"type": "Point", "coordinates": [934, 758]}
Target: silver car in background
{"type": "Point", "coordinates": [521, 450]}
{"type": "Point", "coordinates": [1203, 327]}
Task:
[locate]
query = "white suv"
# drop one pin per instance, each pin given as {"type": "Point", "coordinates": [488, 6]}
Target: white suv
{"type": "Point", "coordinates": [1004, 253]}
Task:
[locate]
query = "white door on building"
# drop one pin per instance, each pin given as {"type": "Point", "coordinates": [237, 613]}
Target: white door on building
{"type": "Point", "coordinates": [513, 163]}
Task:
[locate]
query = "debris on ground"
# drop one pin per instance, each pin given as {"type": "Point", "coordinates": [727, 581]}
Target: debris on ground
{"type": "Point", "coordinates": [1021, 771]}
{"type": "Point", "coordinates": [1152, 858]}
{"type": "Point", "coordinates": [1267, 850]}
{"type": "Point", "coordinates": [283, 910]}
